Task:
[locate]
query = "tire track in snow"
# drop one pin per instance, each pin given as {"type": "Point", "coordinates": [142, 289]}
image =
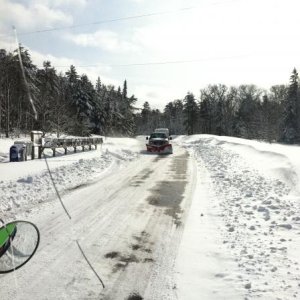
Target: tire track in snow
{"type": "Point", "coordinates": [150, 274]}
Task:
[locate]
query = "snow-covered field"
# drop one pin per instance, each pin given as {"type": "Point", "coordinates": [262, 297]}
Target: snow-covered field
{"type": "Point", "coordinates": [219, 219]}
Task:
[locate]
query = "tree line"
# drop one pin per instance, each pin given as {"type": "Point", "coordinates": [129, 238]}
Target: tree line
{"type": "Point", "coordinates": [65, 103]}
{"type": "Point", "coordinates": [70, 103]}
{"type": "Point", "coordinates": [245, 111]}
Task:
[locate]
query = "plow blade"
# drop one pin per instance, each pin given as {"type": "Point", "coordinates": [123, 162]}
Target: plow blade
{"type": "Point", "coordinates": [165, 149]}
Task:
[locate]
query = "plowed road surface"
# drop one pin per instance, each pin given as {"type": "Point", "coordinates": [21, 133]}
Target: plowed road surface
{"type": "Point", "coordinates": [129, 224]}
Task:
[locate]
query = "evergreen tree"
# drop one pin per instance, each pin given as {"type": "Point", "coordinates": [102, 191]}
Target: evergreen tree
{"type": "Point", "coordinates": [80, 97]}
{"type": "Point", "coordinates": [146, 112]}
{"type": "Point", "coordinates": [129, 123]}
{"type": "Point", "coordinates": [178, 126]}
{"type": "Point", "coordinates": [277, 97]}
{"type": "Point", "coordinates": [59, 116]}
{"type": "Point", "coordinates": [16, 93]}
{"type": "Point", "coordinates": [204, 116]}
{"type": "Point", "coordinates": [8, 83]}
{"type": "Point", "coordinates": [190, 110]}
{"type": "Point", "coordinates": [68, 103]}
{"type": "Point", "coordinates": [124, 92]}
{"type": "Point", "coordinates": [290, 132]}
{"type": "Point", "coordinates": [169, 116]}
{"type": "Point", "coordinates": [48, 94]}
{"type": "Point", "coordinates": [97, 117]}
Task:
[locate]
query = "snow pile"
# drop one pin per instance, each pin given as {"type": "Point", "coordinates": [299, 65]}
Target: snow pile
{"type": "Point", "coordinates": [5, 145]}
{"type": "Point", "coordinates": [241, 237]}
{"type": "Point", "coordinates": [256, 206]}
{"type": "Point", "coordinates": [25, 185]}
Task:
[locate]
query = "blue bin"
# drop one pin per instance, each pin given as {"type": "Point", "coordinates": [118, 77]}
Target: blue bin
{"type": "Point", "coordinates": [17, 152]}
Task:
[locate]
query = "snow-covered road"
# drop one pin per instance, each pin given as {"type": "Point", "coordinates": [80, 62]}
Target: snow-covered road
{"type": "Point", "coordinates": [129, 224]}
{"type": "Point", "coordinates": [218, 219]}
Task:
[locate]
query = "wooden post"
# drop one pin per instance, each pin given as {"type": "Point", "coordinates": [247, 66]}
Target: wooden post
{"type": "Point", "coordinates": [40, 152]}
{"type": "Point", "coordinates": [32, 153]}
{"type": "Point", "coordinates": [75, 149]}
{"type": "Point", "coordinates": [95, 146]}
{"type": "Point", "coordinates": [66, 151]}
{"type": "Point", "coordinates": [90, 147]}
{"type": "Point", "coordinates": [54, 153]}
{"type": "Point", "coordinates": [82, 147]}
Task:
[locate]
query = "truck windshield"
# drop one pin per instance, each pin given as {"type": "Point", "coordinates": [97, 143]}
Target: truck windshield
{"type": "Point", "coordinates": [158, 135]}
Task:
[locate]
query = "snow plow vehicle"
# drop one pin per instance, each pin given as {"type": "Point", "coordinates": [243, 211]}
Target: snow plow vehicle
{"type": "Point", "coordinates": [163, 130]}
{"type": "Point", "coordinates": [159, 142]}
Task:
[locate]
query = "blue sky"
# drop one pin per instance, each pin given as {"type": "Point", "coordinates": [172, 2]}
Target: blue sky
{"type": "Point", "coordinates": [213, 41]}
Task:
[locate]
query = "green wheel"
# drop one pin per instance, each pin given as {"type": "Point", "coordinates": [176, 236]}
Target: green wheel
{"type": "Point", "coordinates": [6, 234]}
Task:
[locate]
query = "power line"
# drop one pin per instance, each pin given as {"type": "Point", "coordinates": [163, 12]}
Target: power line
{"type": "Point", "coordinates": [108, 21]}
{"type": "Point", "coordinates": [159, 62]}
{"type": "Point", "coordinates": [105, 21]}
{"type": "Point", "coordinates": [120, 19]}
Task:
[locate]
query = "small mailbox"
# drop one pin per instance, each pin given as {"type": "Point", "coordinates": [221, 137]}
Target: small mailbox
{"type": "Point", "coordinates": [17, 152]}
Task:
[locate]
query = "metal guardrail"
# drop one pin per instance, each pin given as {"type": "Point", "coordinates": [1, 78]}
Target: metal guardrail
{"type": "Point", "coordinates": [70, 142]}
{"type": "Point", "coordinates": [54, 143]}
{"type": "Point", "coordinates": [21, 149]}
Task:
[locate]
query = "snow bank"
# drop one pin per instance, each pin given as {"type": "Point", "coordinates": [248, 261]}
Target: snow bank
{"type": "Point", "coordinates": [252, 184]}
{"type": "Point", "coordinates": [24, 185]}
{"type": "Point", "coordinates": [274, 160]}
{"type": "Point", "coordinates": [5, 145]}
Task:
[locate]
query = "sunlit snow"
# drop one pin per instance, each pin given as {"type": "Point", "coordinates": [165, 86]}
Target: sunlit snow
{"type": "Point", "coordinates": [240, 235]}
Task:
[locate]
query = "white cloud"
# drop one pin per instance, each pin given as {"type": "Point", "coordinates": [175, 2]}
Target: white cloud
{"type": "Point", "coordinates": [7, 43]}
{"type": "Point", "coordinates": [35, 16]}
{"type": "Point", "coordinates": [157, 95]}
{"type": "Point", "coordinates": [104, 39]}
{"type": "Point", "coordinates": [64, 3]}
{"type": "Point", "coordinates": [137, 1]}
{"type": "Point", "coordinates": [62, 64]}
{"type": "Point", "coordinates": [99, 71]}
{"type": "Point", "coordinates": [222, 30]}
{"type": "Point", "coordinates": [232, 47]}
